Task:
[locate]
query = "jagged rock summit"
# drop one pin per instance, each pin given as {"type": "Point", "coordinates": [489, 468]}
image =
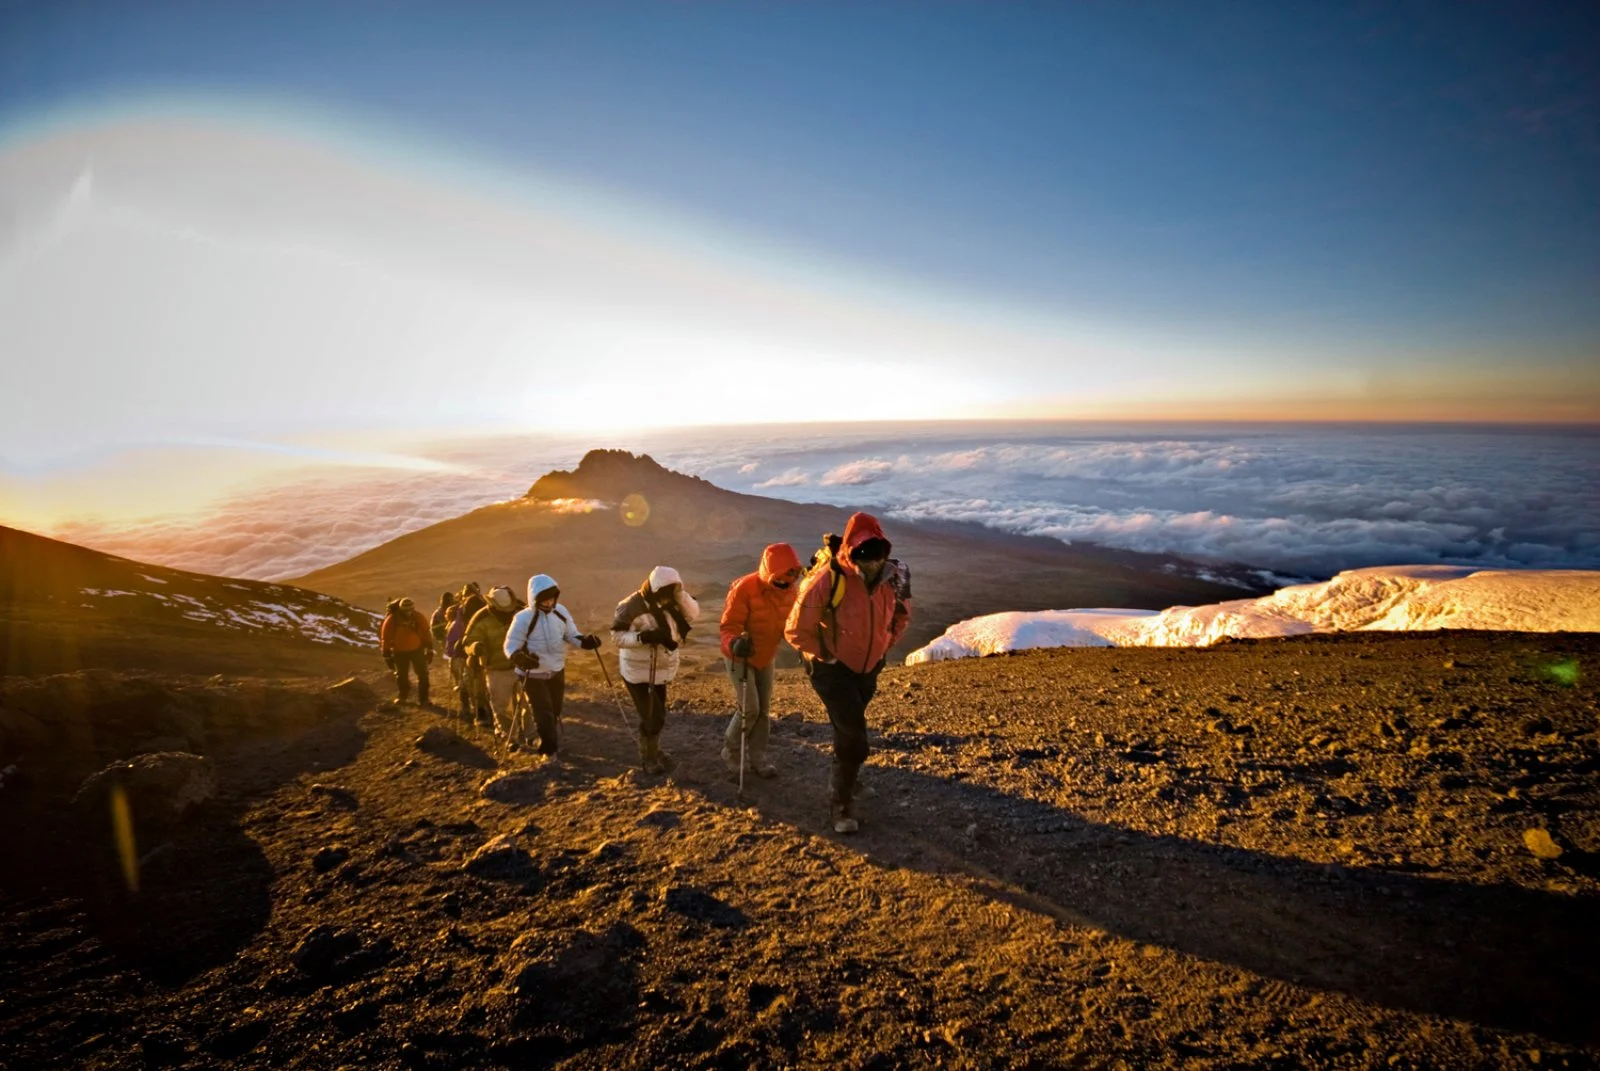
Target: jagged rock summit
{"type": "Point", "coordinates": [613, 475]}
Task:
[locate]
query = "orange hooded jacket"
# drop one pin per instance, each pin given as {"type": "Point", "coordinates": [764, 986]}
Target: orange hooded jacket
{"type": "Point", "coordinates": [865, 624]}
{"type": "Point", "coordinates": [405, 630]}
{"type": "Point", "coordinates": [755, 606]}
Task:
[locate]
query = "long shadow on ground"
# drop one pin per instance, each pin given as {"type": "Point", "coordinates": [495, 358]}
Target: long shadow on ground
{"type": "Point", "coordinates": [1499, 955]}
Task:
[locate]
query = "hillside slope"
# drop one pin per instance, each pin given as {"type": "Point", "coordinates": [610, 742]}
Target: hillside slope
{"type": "Point", "coordinates": [65, 607]}
{"type": "Point", "coordinates": [1311, 852]}
{"type": "Point", "coordinates": [572, 526]}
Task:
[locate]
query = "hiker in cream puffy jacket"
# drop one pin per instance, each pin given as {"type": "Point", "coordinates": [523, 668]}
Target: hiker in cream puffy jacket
{"type": "Point", "coordinates": [648, 627]}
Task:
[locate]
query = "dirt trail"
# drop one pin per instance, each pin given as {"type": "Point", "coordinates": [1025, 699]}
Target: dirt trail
{"type": "Point", "coordinates": [1070, 859]}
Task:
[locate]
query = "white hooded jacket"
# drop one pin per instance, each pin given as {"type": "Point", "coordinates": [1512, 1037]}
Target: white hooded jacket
{"type": "Point", "coordinates": [547, 635]}
{"type": "Point", "coordinates": [639, 662]}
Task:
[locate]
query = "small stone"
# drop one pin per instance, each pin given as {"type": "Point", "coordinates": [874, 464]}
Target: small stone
{"type": "Point", "coordinates": [1541, 844]}
{"type": "Point", "coordinates": [328, 858]}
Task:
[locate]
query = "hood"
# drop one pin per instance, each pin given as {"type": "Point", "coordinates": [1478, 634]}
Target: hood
{"type": "Point", "coordinates": [538, 583]}
{"type": "Point", "coordinates": [776, 560]}
{"type": "Point", "coordinates": [661, 576]}
{"type": "Point", "coordinates": [860, 528]}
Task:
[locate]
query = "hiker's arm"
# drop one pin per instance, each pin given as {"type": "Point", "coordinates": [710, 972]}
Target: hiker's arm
{"type": "Point", "coordinates": [801, 629]}
{"type": "Point", "coordinates": [573, 637]}
{"type": "Point", "coordinates": [900, 622]}
{"type": "Point", "coordinates": [733, 616]}
{"type": "Point", "coordinates": [517, 634]}
{"type": "Point", "coordinates": [383, 637]}
{"type": "Point", "coordinates": [622, 633]}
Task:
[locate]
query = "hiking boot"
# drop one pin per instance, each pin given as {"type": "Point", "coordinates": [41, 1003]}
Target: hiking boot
{"type": "Point", "coordinates": [844, 821]}
{"type": "Point", "coordinates": [761, 766]}
{"type": "Point", "coordinates": [730, 760]}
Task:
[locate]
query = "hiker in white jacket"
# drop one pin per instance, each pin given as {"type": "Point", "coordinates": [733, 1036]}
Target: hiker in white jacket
{"type": "Point", "coordinates": [648, 628]}
{"type": "Point", "coordinates": [537, 643]}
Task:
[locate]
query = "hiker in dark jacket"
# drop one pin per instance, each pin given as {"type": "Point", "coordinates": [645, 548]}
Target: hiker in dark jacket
{"type": "Point", "coordinates": [648, 628]}
{"type": "Point", "coordinates": [470, 695]}
{"type": "Point", "coordinates": [407, 646]}
{"type": "Point", "coordinates": [441, 617]}
{"type": "Point", "coordinates": [847, 616]}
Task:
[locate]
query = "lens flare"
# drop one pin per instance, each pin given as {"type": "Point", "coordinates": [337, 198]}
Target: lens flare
{"type": "Point", "coordinates": [635, 510]}
{"type": "Point", "coordinates": [1563, 671]}
{"type": "Point", "coordinates": [122, 830]}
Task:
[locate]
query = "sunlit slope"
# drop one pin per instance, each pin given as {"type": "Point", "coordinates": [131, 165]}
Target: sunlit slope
{"type": "Point", "coordinates": [64, 607]}
{"type": "Point", "coordinates": [1388, 598]}
{"type": "Point", "coordinates": [574, 526]}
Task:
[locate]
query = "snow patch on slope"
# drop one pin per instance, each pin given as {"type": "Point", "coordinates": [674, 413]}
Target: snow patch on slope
{"type": "Point", "coordinates": [1385, 598]}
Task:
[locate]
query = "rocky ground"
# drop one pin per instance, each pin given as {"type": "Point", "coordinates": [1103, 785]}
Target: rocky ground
{"type": "Point", "coordinates": [1348, 851]}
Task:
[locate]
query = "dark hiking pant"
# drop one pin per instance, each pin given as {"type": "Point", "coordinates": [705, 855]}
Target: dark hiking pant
{"type": "Point", "coordinates": [406, 663]}
{"type": "Point", "coordinates": [650, 700]}
{"type": "Point", "coordinates": [544, 699]}
{"type": "Point", "coordinates": [845, 694]}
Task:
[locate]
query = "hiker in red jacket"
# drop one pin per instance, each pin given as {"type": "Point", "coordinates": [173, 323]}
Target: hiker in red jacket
{"type": "Point", "coordinates": [753, 620]}
{"type": "Point", "coordinates": [844, 621]}
{"type": "Point", "coordinates": [407, 644]}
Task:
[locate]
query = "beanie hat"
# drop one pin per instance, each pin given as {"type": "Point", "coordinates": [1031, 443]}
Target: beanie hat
{"type": "Point", "coordinates": [407, 604]}
{"type": "Point", "coordinates": [502, 598]}
{"type": "Point", "coordinates": [663, 576]}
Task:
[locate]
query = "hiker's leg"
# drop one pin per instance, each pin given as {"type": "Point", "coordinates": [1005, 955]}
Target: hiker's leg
{"type": "Point", "coordinates": [641, 696]}
{"type": "Point", "coordinates": [501, 684]}
{"type": "Point", "coordinates": [458, 674]}
{"type": "Point", "coordinates": [761, 728]}
{"type": "Point", "coordinates": [658, 710]}
{"type": "Point", "coordinates": [402, 686]}
{"type": "Point", "coordinates": [543, 713]}
{"type": "Point", "coordinates": [744, 700]}
{"type": "Point", "coordinates": [419, 663]}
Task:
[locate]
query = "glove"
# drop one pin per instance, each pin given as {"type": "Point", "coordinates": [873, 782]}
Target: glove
{"type": "Point", "coordinates": [654, 637]}
{"type": "Point", "coordinates": [741, 647]}
{"type": "Point", "coordinates": [590, 642]}
{"type": "Point", "coordinates": [669, 643]}
{"type": "Point", "coordinates": [525, 660]}
{"type": "Point", "coordinates": [388, 660]}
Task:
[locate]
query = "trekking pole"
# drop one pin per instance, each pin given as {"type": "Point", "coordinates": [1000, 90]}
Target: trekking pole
{"type": "Point", "coordinates": [622, 711]}
{"type": "Point", "coordinates": [744, 724]}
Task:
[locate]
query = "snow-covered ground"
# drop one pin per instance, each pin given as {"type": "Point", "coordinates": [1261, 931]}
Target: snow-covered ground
{"type": "Point", "coordinates": [317, 617]}
{"type": "Point", "coordinates": [1388, 598]}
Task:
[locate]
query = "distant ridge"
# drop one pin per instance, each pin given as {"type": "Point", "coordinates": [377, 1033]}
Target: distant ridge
{"type": "Point", "coordinates": [613, 475]}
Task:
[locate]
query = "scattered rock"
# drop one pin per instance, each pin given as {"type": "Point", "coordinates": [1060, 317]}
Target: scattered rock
{"type": "Point", "coordinates": [701, 906]}
{"type": "Point", "coordinates": [353, 692]}
{"type": "Point", "coordinates": [158, 787]}
{"type": "Point", "coordinates": [502, 860]}
{"type": "Point", "coordinates": [517, 787]}
{"type": "Point", "coordinates": [661, 818]}
{"type": "Point", "coordinates": [1538, 727]}
{"type": "Point", "coordinates": [328, 858]}
{"type": "Point", "coordinates": [438, 738]}
{"type": "Point", "coordinates": [324, 951]}
{"type": "Point", "coordinates": [1541, 844]}
{"type": "Point", "coordinates": [335, 796]}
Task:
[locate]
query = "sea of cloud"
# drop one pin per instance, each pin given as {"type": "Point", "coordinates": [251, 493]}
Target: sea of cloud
{"type": "Point", "coordinates": [1298, 501]}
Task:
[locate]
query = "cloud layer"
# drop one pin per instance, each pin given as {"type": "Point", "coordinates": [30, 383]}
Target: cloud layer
{"type": "Point", "coordinates": [1304, 502]}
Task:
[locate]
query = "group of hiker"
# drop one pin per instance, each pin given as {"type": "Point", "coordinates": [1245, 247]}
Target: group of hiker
{"type": "Point", "coordinates": [841, 613]}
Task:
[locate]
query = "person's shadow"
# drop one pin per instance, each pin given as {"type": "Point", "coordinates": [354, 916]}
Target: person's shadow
{"type": "Point", "coordinates": [1498, 955]}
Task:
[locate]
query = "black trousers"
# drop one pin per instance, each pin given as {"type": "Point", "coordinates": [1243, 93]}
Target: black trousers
{"type": "Point", "coordinates": [846, 693]}
{"type": "Point", "coordinates": [650, 700]}
{"type": "Point", "coordinates": [545, 697]}
{"type": "Point", "coordinates": [406, 662]}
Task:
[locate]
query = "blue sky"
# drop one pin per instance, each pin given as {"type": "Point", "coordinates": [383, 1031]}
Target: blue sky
{"type": "Point", "coordinates": [1122, 209]}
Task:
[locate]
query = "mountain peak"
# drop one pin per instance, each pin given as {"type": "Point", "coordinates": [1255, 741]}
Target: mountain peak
{"type": "Point", "coordinates": [612, 475]}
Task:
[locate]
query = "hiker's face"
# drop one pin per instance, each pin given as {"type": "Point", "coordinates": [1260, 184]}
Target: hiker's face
{"type": "Point", "coordinates": [787, 578]}
{"type": "Point", "coordinates": [546, 600]}
{"type": "Point", "coordinates": [871, 569]}
{"type": "Point", "coordinates": [667, 594]}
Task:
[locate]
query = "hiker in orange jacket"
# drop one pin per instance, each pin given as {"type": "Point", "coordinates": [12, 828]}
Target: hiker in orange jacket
{"type": "Point", "coordinates": [406, 641]}
{"type": "Point", "coordinates": [844, 621]}
{"type": "Point", "coordinates": [753, 620]}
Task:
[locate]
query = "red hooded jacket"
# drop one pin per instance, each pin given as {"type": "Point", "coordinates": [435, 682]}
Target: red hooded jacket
{"type": "Point", "coordinates": [756, 607]}
{"type": "Point", "coordinates": [867, 621]}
